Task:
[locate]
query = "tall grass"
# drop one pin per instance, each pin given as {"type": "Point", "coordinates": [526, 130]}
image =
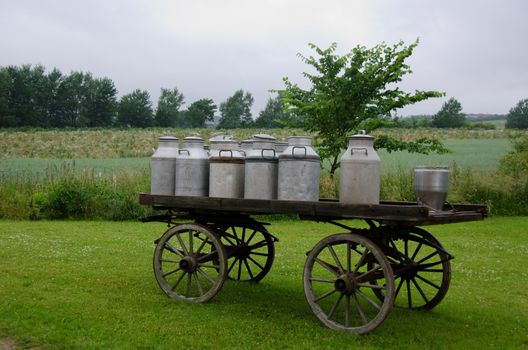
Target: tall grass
{"type": "Point", "coordinates": [65, 193]}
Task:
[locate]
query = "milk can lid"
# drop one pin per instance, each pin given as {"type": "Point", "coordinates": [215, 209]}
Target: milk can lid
{"type": "Point", "coordinates": [221, 138]}
{"type": "Point", "coordinates": [167, 139]}
{"type": "Point", "coordinates": [361, 135]}
{"type": "Point", "coordinates": [263, 137]}
{"type": "Point", "coordinates": [193, 139]}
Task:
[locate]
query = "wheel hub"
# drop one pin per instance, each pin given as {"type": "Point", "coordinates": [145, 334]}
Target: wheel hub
{"type": "Point", "coordinates": [345, 284]}
{"type": "Point", "coordinates": [188, 264]}
{"type": "Point", "coordinates": [242, 251]}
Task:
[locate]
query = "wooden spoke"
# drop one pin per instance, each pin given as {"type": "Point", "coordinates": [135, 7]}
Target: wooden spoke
{"type": "Point", "coordinates": [359, 310]}
{"type": "Point", "coordinates": [209, 279]}
{"type": "Point", "coordinates": [327, 266]}
{"type": "Point", "coordinates": [334, 256]}
{"type": "Point", "coordinates": [169, 247]}
{"type": "Point", "coordinates": [370, 301]}
{"type": "Point", "coordinates": [420, 290]}
{"type": "Point", "coordinates": [416, 251]}
{"type": "Point", "coordinates": [171, 272]}
{"type": "Point", "coordinates": [428, 282]}
{"type": "Point", "coordinates": [178, 281]}
{"type": "Point", "coordinates": [182, 245]}
{"type": "Point", "coordinates": [334, 307]}
{"type": "Point", "coordinates": [408, 283]}
{"type": "Point", "coordinates": [327, 294]}
{"type": "Point", "coordinates": [256, 263]}
{"type": "Point", "coordinates": [190, 242]}
{"type": "Point", "coordinates": [200, 289]}
{"type": "Point", "coordinates": [347, 310]}
{"type": "Point", "coordinates": [361, 261]}
{"type": "Point", "coordinates": [324, 280]}
{"type": "Point", "coordinates": [371, 286]}
{"type": "Point", "coordinates": [427, 257]}
{"type": "Point", "coordinates": [248, 269]}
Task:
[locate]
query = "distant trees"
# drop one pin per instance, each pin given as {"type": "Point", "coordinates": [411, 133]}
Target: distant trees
{"type": "Point", "coordinates": [135, 110]}
{"type": "Point", "coordinates": [200, 112]}
{"type": "Point", "coordinates": [31, 97]}
{"type": "Point", "coordinates": [236, 111]}
{"type": "Point", "coordinates": [450, 115]}
{"type": "Point", "coordinates": [518, 116]}
{"type": "Point", "coordinates": [272, 114]}
{"type": "Point", "coordinates": [168, 111]}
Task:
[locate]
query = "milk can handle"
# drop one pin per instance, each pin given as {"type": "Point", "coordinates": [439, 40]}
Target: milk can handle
{"type": "Point", "coordinates": [267, 149]}
{"type": "Point", "coordinates": [301, 147]}
{"type": "Point", "coordinates": [225, 150]}
{"type": "Point", "coordinates": [184, 150]}
{"type": "Point", "coordinates": [358, 148]}
{"type": "Point", "coordinates": [242, 151]}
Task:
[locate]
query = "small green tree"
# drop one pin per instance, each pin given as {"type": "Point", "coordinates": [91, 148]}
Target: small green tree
{"type": "Point", "coordinates": [135, 110]}
{"type": "Point", "coordinates": [515, 163]}
{"type": "Point", "coordinates": [450, 115]}
{"type": "Point", "coordinates": [518, 116]}
{"type": "Point", "coordinates": [236, 111]}
{"type": "Point", "coordinates": [272, 114]}
{"type": "Point", "coordinates": [200, 112]}
{"type": "Point", "coordinates": [168, 111]}
{"type": "Point", "coordinates": [354, 91]}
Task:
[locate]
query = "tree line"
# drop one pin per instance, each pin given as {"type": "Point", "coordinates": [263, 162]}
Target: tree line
{"type": "Point", "coordinates": [30, 96]}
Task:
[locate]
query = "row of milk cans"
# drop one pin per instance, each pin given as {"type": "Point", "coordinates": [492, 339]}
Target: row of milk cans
{"type": "Point", "coordinates": [261, 168]}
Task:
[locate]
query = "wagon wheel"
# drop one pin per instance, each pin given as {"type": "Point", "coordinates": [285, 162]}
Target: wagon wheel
{"type": "Point", "coordinates": [338, 283]}
{"type": "Point", "coordinates": [250, 250]}
{"type": "Point", "coordinates": [422, 270]}
{"type": "Point", "coordinates": [185, 267]}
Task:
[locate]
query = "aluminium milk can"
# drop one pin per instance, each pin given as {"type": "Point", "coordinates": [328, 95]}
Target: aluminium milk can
{"type": "Point", "coordinates": [280, 147]}
{"type": "Point", "coordinates": [431, 185]}
{"type": "Point", "coordinates": [299, 171]}
{"type": "Point", "coordinates": [192, 168]}
{"type": "Point", "coordinates": [360, 174]}
{"type": "Point", "coordinates": [162, 166]}
{"type": "Point", "coordinates": [226, 169]}
{"type": "Point", "coordinates": [246, 145]}
{"type": "Point", "coordinates": [261, 169]}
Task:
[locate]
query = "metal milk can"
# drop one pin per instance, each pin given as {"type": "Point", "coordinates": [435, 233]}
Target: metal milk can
{"type": "Point", "coordinates": [192, 168]}
{"type": "Point", "coordinates": [280, 147]}
{"type": "Point", "coordinates": [261, 169]}
{"type": "Point", "coordinates": [360, 173]}
{"type": "Point", "coordinates": [431, 185]}
{"type": "Point", "coordinates": [162, 166]}
{"type": "Point", "coordinates": [246, 145]}
{"type": "Point", "coordinates": [226, 169]}
{"type": "Point", "coordinates": [299, 171]}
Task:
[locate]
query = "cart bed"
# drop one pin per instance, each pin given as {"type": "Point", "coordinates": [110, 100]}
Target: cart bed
{"type": "Point", "coordinates": [410, 213]}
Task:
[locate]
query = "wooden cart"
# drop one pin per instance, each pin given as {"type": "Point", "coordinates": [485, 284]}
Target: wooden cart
{"type": "Point", "coordinates": [351, 280]}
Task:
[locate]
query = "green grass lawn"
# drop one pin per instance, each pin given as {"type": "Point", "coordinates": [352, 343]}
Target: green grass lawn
{"type": "Point", "coordinates": [89, 285]}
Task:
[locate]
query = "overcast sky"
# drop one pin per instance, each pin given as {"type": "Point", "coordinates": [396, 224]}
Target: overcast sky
{"type": "Point", "coordinates": [475, 51]}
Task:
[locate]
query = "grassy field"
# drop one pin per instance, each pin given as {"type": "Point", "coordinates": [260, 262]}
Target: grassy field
{"type": "Point", "coordinates": [110, 143]}
{"type": "Point", "coordinates": [90, 285]}
{"type": "Point", "coordinates": [464, 153]}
